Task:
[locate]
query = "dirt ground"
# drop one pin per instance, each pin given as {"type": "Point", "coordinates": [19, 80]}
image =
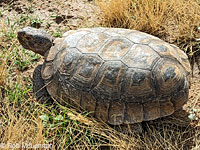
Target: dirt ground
{"type": "Point", "coordinates": [53, 14]}
{"type": "Point", "coordinates": [63, 15]}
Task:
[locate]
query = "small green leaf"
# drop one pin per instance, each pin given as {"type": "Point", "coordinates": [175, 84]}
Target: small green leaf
{"type": "Point", "coordinates": [59, 117]}
{"type": "Point", "coordinates": [44, 117]}
{"type": "Point", "coordinates": [51, 125]}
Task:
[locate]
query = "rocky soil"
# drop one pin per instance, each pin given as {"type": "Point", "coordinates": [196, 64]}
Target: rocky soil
{"type": "Point", "coordinates": [53, 14]}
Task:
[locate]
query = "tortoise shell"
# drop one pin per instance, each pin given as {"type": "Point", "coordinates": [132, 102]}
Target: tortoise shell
{"type": "Point", "coordinates": [122, 76]}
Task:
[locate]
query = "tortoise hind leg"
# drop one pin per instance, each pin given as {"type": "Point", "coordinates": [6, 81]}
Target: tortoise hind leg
{"type": "Point", "coordinates": [39, 88]}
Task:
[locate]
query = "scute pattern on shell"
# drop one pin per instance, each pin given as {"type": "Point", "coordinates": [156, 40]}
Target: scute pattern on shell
{"type": "Point", "coordinates": [123, 76]}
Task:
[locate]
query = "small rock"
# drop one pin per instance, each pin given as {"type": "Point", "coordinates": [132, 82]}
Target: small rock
{"type": "Point", "coordinates": [191, 116]}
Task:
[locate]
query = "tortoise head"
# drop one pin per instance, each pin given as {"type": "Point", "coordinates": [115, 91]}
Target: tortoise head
{"type": "Point", "coordinates": [35, 40]}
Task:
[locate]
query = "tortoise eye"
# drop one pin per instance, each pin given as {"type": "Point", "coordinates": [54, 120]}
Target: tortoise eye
{"type": "Point", "coordinates": [27, 38]}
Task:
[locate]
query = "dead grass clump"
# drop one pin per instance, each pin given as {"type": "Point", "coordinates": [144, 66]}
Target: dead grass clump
{"type": "Point", "coordinates": [3, 72]}
{"type": "Point", "coordinates": [168, 19]}
{"type": "Point", "coordinates": [65, 128]}
{"type": "Point", "coordinates": [170, 133]}
{"type": "Point", "coordinates": [19, 128]}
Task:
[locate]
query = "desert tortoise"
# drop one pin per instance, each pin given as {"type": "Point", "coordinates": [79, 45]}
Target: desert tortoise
{"type": "Point", "coordinates": [123, 76]}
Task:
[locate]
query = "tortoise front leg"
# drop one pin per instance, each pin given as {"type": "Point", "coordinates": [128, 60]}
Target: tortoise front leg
{"type": "Point", "coordinates": [39, 87]}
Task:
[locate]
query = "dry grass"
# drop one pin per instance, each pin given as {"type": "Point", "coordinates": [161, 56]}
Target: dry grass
{"type": "Point", "coordinates": [31, 122]}
{"type": "Point", "coordinates": [23, 123]}
{"type": "Point", "coordinates": [2, 72]}
{"type": "Point", "coordinates": [19, 128]}
{"type": "Point", "coordinates": [168, 19]}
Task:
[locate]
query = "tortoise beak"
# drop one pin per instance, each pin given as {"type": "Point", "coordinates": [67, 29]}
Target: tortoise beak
{"type": "Point", "coordinates": [20, 34]}
{"type": "Point", "coordinates": [20, 37]}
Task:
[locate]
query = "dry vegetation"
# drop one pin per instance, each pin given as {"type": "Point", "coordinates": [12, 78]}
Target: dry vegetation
{"type": "Point", "coordinates": [170, 20]}
{"type": "Point", "coordinates": [23, 119]}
